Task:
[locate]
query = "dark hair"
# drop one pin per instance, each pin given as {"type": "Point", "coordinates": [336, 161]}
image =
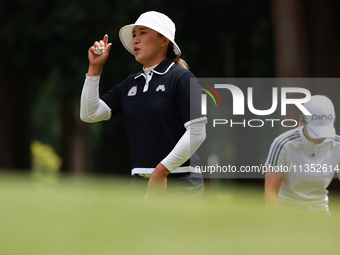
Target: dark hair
{"type": "Point", "coordinates": [178, 61]}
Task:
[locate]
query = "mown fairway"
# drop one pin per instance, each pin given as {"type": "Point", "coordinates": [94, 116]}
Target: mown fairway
{"type": "Point", "coordinates": [99, 217]}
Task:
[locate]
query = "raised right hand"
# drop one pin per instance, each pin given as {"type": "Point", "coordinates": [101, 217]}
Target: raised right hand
{"type": "Point", "coordinates": [97, 61]}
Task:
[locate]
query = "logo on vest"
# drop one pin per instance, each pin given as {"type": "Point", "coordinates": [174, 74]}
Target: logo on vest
{"type": "Point", "coordinates": [160, 87]}
{"type": "Point", "coordinates": [132, 91]}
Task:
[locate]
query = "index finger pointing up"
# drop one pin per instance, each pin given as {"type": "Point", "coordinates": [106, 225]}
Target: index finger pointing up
{"type": "Point", "coordinates": [106, 39]}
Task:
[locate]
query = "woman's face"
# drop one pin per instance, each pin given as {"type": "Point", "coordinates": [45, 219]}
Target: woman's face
{"type": "Point", "coordinates": [149, 46]}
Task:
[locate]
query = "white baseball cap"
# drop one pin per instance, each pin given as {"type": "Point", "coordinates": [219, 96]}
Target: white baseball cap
{"type": "Point", "coordinates": [320, 124]}
{"type": "Point", "coordinates": [154, 20]}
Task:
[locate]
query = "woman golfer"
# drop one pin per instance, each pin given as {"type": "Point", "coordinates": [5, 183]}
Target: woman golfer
{"type": "Point", "coordinates": [160, 106]}
{"type": "Point", "coordinates": [304, 161]}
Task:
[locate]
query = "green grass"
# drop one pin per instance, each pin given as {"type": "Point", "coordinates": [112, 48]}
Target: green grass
{"type": "Point", "coordinates": [99, 217]}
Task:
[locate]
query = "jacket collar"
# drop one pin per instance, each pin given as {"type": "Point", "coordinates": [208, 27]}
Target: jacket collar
{"type": "Point", "coordinates": [161, 69]}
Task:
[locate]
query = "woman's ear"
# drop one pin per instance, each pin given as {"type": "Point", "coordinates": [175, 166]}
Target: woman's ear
{"type": "Point", "coordinates": [165, 42]}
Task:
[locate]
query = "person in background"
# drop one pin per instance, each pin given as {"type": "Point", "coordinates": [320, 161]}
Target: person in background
{"type": "Point", "coordinates": [311, 153]}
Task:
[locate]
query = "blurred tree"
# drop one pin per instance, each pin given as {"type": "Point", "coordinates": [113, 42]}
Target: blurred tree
{"type": "Point", "coordinates": [19, 74]}
{"type": "Point", "coordinates": [306, 38]}
{"type": "Point", "coordinates": [307, 43]}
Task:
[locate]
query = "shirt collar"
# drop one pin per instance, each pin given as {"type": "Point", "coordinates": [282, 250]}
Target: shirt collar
{"type": "Point", "coordinates": [149, 69]}
{"type": "Point", "coordinates": [161, 69]}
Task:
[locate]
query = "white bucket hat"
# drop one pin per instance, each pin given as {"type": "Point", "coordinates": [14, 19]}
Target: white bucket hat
{"type": "Point", "coordinates": [321, 123]}
{"type": "Point", "coordinates": [154, 20]}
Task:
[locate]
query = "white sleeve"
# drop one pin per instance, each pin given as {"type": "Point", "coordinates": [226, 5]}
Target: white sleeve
{"type": "Point", "coordinates": [187, 145]}
{"type": "Point", "coordinates": [93, 109]}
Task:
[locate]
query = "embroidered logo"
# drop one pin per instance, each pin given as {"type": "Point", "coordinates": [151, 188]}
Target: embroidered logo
{"type": "Point", "coordinates": [160, 87]}
{"type": "Point", "coordinates": [132, 91]}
